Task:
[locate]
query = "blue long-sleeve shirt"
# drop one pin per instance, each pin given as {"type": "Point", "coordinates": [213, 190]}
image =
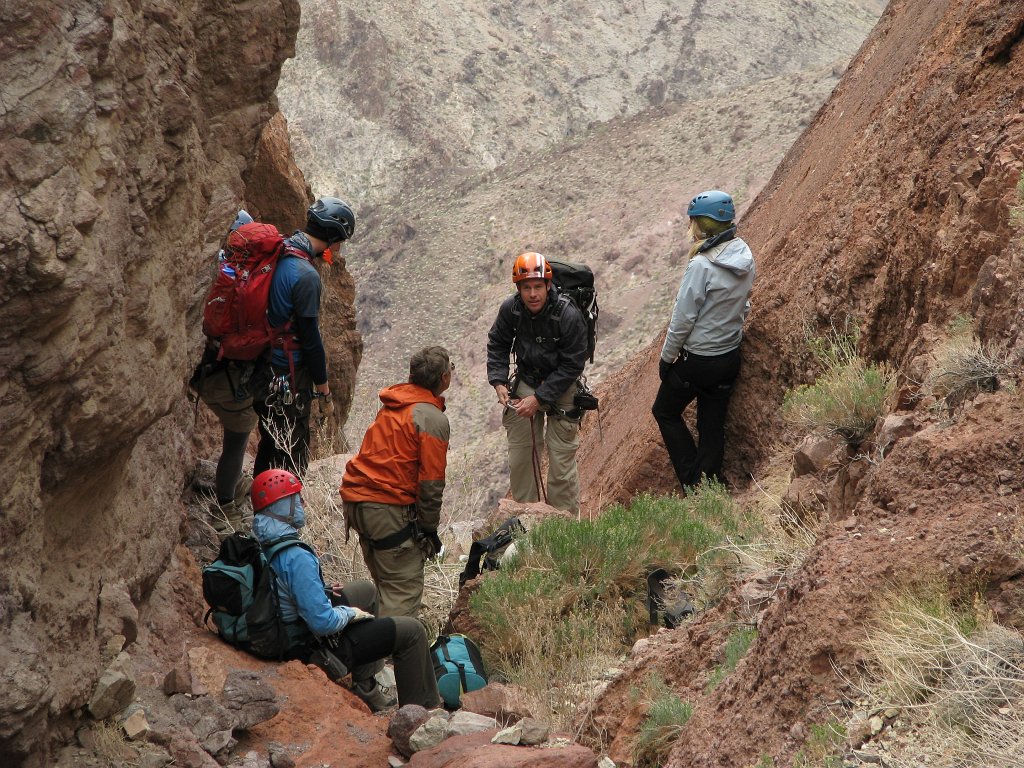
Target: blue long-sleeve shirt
{"type": "Point", "coordinates": [300, 584]}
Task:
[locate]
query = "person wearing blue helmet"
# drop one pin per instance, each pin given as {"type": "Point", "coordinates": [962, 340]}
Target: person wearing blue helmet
{"type": "Point", "coordinates": [700, 359]}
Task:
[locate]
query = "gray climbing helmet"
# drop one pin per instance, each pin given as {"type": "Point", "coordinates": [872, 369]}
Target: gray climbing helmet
{"type": "Point", "coordinates": [331, 219]}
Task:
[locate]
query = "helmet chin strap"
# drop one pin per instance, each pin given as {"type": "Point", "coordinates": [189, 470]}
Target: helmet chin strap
{"type": "Point", "coordinates": [290, 520]}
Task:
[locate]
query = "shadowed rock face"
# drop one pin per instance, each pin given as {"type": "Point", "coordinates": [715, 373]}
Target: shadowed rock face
{"type": "Point", "coordinates": [128, 131]}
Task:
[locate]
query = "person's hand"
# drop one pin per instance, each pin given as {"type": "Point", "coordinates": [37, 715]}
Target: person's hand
{"type": "Point", "coordinates": [502, 391]}
{"type": "Point", "coordinates": [336, 588]}
{"type": "Point", "coordinates": [431, 545]}
{"type": "Point", "coordinates": [323, 407]}
{"type": "Point", "coordinates": [358, 614]}
{"type": "Point", "coordinates": [526, 407]}
{"type": "Point", "coordinates": [664, 369]}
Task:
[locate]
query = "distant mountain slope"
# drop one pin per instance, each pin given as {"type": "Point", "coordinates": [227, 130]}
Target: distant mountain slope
{"type": "Point", "coordinates": [380, 93]}
{"type": "Point", "coordinates": [470, 134]}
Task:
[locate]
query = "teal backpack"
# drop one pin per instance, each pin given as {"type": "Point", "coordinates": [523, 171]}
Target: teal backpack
{"type": "Point", "coordinates": [458, 667]}
{"type": "Point", "coordinates": [241, 590]}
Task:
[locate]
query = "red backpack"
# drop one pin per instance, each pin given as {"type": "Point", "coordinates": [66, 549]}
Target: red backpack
{"type": "Point", "coordinates": [236, 306]}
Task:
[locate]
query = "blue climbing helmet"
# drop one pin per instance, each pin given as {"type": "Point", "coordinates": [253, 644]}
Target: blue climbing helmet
{"type": "Point", "coordinates": [713, 204]}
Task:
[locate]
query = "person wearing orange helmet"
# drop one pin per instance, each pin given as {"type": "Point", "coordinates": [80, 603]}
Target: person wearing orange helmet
{"type": "Point", "coordinates": [546, 337]}
{"type": "Point", "coordinates": [334, 626]}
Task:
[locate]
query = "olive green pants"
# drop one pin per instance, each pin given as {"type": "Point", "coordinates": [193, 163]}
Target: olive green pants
{"type": "Point", "coordinates": [397, 571]}
{"type": "Point", "coordinates": [526, 441]}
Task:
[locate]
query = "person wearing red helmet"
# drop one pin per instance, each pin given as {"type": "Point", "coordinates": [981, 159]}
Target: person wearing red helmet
{"type": "Point", "coordinates": [334, 627]}
{"type": "Point", "coordinates": [547, 337]}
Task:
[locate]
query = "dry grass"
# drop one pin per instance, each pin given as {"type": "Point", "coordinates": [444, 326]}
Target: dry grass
{"type": "Point", "coordinates": [958, 672]}
{"type": "Point", "coordinates": [964, 366]}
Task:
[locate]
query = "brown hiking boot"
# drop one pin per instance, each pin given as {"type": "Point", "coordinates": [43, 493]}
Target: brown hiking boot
{"type": "Point", "coordinates": [376, 697]}
{"type": "Point", "coordinates": [227, 519]}
{"type": "Point", "coordinates": [242, 488]}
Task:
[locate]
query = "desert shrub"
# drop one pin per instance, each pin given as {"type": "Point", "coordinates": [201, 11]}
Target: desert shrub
{"type": "Point", "coordinates": [823, 747]}
{"type": "Point", "coordinates": [1017, 211]}
{"type": "Point", "coordinates": [849, 395]}
{"type": "Point", "coordinates": [960, 672]}
{"type": "Point", "coordinates": [965, 366]}
{"type": "Point", "coordinates": [736, 647]}
{"type": "Point", "coordinates": [667, 714]}
{"type": "Point", "coordinates": [574, 593]}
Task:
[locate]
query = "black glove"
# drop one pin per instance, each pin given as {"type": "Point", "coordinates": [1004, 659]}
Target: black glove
{"type": "Point", "coordinates": [431, 544]}
{"type": "Point", "coordinates": [664, 369]}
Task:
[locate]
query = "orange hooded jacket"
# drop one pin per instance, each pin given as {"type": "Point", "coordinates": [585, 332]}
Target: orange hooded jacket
{"type": "Point", "coordinates": [404, 454]}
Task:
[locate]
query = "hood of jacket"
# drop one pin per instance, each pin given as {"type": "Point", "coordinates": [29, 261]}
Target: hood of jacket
{"type": "Point", "coordinates": [267, 529]}
{"type": "Point", "coordinates": [403, 395]}
{"type": "Point", "coordinates": [733, 255]}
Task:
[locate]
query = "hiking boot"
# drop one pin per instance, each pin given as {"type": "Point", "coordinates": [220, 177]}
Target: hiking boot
{"type": "Point", "coordinates": [375, 696]}
{"type": "Point", "coordinates": [242, 488]}
{"type": "Point", "coordinates": [227, 518]}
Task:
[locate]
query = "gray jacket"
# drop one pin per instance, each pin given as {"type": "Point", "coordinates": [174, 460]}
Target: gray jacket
{"type": "Point", "coordinates": [712, 302]}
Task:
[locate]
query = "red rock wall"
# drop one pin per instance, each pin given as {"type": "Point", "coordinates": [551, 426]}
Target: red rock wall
{"type": "Point", "coordinates": [128, 132]}
{"type": "Point", "coordinates": [892, 208]}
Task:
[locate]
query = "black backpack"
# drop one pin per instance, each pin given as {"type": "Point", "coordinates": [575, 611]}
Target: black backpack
{"type": "Point", "coordinates": [490, 549]}
{"type": "Point", "coordinates": [576, 283]}
{"type": "Point", "coordinates": [670, 614]}
{"type": "Point", "coordinates": [241, 590]}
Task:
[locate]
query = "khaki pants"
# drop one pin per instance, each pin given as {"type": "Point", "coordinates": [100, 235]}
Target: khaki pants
{"type": "Point", "coordinates": [526, 439]}
{"type": "Point", "coordinates": [398, 571]}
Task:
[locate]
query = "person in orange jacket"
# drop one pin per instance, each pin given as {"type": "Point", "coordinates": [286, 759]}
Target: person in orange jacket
{"type": "Point", "coordinates": [392, 489]}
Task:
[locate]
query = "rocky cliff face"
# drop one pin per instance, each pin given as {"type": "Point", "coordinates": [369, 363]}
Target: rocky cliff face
{"type": "Point", "coordinates": [892, 209]}
{"type": "Point", "coordinates": [128, 138]}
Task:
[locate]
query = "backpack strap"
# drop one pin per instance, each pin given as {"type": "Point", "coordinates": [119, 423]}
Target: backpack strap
{"type": "Point", "coordinates": [457, 665]}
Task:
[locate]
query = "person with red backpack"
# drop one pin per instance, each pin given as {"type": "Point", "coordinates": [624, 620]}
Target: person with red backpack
{"type": "Point", "coordinates": [223, 384]}
{"type": "Point", "coordinates": [286, 391]}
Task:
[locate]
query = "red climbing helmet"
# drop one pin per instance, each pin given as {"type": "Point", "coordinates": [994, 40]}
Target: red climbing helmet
{"type": "Point", "coordinates": [272, 485]}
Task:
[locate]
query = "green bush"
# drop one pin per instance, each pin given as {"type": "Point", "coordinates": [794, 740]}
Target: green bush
{"type": "Point", "coordinates": [666, 716]}
{"type": "Point", "coordinates": [575, 591]}
{"type": "Point", "coordinates": [736, 647]}
{"type": "Point", "coordinates": [849, 395]}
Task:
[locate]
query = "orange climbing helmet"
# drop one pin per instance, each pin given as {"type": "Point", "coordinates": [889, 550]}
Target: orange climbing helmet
{"type": "Point", "coordinates": [273, 485]}
{"type": "Point", "coordinates": [530, 265]}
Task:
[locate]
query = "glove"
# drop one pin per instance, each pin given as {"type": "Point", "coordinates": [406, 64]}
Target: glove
{"type": "Point", "coordinates": [431, 545]}
{"type": "Point", "coordinates": [324, 408]}
{"type": "Point", "coordinates": [358, 614]}
{"type": "Point", "coordinates": [663, 369]}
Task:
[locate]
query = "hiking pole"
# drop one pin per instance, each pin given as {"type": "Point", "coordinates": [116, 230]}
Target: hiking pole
{"type": "Point", "coordinates": [535, 455]}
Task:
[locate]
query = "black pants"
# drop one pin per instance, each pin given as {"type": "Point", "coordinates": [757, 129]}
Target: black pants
{"type": "Point", "coordinates": [709, 381]}
{"type": "Point", "coordinates": [283, 426]}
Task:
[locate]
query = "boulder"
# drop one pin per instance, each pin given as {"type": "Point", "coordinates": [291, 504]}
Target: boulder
{"type": "Point", "coordinates": [115, 689]}
{"type": "Point", "coordinates": [505, 703]}
{"type": "Point", "coordinates": [896, 426]}
{"type": "Point", "coordinates": [405, 721]}
{"type": "Point", "coordinates": [117, 613]}
{"type": "Point", "coordinates": [430, 734]}
{"type": "Point", "coordinates": [804, 500]}
{"type": "Point", "coordinates": [136, 726]}
{"type": "Point", "coordinates": [209, 721]}
{"type": "Point", "coordinates": [178, 680]}
{"type": "Point", "coordinates": [477, 750]}
{"type": "Point", "coordinates": [814, 454]}
{"type": "Point", "coordinates": [463, 722]}
{"type": "Point", "coordinates": [249, 697]}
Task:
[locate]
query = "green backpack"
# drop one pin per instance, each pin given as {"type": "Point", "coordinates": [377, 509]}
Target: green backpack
{"type": "Point", "coordinates": [458, 667]}
{"type": "Point", "coordinates": [241, 590]}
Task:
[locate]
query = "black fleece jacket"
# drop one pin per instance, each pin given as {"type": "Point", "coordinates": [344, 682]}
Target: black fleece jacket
{"type": "Point", "coordinates": [550, 352]}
